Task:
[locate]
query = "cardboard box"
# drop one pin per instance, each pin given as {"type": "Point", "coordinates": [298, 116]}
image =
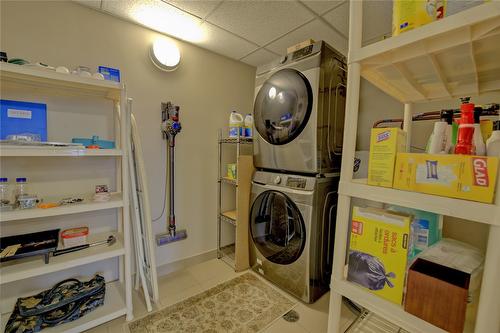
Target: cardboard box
{"type": "Point", "coordinates": [385, 143]}
{"type": "Point", "coordinates": [378, 251]}
{"type": "Point", "coordinates": [426, 228]}
{"type": "Point", "coordinates": [443, 286]}
{"type": "Point", "coordinates": [457, 176]}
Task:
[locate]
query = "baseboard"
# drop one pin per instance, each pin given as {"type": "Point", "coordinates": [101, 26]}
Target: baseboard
{"type": "Point", "coordinates": [185, 263]}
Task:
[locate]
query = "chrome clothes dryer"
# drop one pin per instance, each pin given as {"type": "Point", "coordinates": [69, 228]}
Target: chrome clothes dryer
{"type": "Point", "coordinates": [292, 228]}
{"type": "Point", "coordinates": [299, 111]}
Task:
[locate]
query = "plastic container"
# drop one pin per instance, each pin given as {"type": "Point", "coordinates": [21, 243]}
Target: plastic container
{"type": "Point", "coordinates": [438, 143]}
{"type": "Point", "coordinates": [235, 124]}
{"type": "Point", "coordinates": [493, 143]}
{"type": "Point", "coordinates": [466, 130]}
{"type": "Point", "coordinates": [21, 187]}
{"type": "Point", "coordinates": [75, 236]}
{"type": "Point", "coordinates": [477, 139]}
{"type": "Point", "coordinates": [4, 191]}
{"type": "Point", "coordinates": [411, 14]}
{"type": "Point", "coordinates": [248, 129]}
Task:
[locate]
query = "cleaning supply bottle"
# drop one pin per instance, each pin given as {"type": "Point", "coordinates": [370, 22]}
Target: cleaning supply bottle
{"type": "Point", "coordinates": [493, 143]}
{"type": "Point", "coordinates": [235, 124]}
{"type": "Point", "coordinates": [447, 115]}
{"type": "Point", "coordinates": [4, 191]}
{"type": "Point", "coordinates": [248, 126]}
{"type": "Point", "coordinates": [477, 139]}
{"type": "Point", "coordinates": [20, 189]}
{"type": "Point", "coordinates": [437, 143]}
{"type": "Point", "coordinates": [465, 129]}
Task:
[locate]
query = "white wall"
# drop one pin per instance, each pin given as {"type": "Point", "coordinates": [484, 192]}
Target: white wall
{"type": "Point", "coordinates": [206, 86]}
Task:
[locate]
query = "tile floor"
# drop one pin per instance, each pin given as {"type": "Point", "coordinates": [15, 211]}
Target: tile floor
{"type": "Point", "coordinates": [179, 285]}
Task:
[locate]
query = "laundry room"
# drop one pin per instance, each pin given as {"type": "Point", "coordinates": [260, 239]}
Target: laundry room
{"type": "Point", "coordinates": [264, 166]}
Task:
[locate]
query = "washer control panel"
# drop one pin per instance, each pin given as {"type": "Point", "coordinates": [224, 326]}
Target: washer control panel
{"type": "Point", "coordinates": [296, 182]}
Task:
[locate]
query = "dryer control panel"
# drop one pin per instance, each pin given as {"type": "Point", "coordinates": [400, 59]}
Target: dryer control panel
{"type": "Point", "coordinates": [285, 180]}
{"type": "Point", "coordinates": [296, 182]}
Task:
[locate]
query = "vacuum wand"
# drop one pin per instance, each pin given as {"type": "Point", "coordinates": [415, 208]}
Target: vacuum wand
{"type": "Point", "coordinates": [170, 128]}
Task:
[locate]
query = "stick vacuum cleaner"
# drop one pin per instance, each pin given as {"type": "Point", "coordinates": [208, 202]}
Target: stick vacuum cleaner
{"type": "Point", "coordinates": [170, 128]}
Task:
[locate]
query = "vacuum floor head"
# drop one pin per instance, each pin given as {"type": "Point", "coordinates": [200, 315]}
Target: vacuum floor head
{"type": "Point", "coordinates": [167, 238]}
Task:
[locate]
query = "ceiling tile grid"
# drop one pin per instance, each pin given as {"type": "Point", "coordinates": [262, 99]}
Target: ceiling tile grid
{"type": "Point", "coordinates": [320, 7]}
{"type": "Point", "coordinates": [260, 21]}
{"type": "Point", "coordinates": [225, 43]}
{"type": "Point", "coordinates": [317, 30]}
{"type": "Point", "coordinates": [259, 57]}
{"type": "Point", "coordinates": [252, 31]}
{"type": "Point", "coordinates": [198, 8]}
{"type": "Point", "coordinates": [339, 18]}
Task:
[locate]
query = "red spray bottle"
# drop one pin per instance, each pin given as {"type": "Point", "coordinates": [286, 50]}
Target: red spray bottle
{"type": "Point", "coordinates": [466, 129]}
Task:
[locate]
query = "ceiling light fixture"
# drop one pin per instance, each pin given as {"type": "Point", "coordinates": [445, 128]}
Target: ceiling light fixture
{"type": "Point", "coordinates": [165, 54]}
{"type": "Point", "coordinates": [169, 20]}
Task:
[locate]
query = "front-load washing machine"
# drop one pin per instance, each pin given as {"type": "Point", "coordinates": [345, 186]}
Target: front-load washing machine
{"type": "Point", "coordinates": [299, 111]}
{"type": "Point", "coordinates": [292, 227]}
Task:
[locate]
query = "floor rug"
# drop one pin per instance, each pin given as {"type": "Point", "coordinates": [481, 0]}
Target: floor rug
{"type": "Point", "coordinates": [243, 304]}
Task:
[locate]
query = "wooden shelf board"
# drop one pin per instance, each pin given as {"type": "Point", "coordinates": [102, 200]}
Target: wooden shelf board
{"type": "Point", "coordinates": [464, 209]}
{"type": "Point", "coordinates": [441, 60]}
{"type": "Point", "coordinates": [229, 180]}
{"type": "Point", "coordinates": [34, 266]}
{"type": "Point", "coordinates": [114, 307]}
{"type": "Point", "coordinates": [231, 214]}
{"type": "Point", "coordinates": [86, 206]}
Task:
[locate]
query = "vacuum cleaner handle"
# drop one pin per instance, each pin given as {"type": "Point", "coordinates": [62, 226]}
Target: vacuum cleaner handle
{"type": "Point", "coordinates": [70, 249]}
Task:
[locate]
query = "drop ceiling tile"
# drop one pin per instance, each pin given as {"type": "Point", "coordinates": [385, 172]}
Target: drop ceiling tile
{"type": "Point", "coordinates": [377, 20]}
{"type": "Point", "coordinates": [320, 7]}
{"type": "Point", "coordinates": [225, 43]}
{"type": "Point", "coordinates": [200, 8]}
{"type": "Point", "coordinates": [259, 57]}
{"type": "Point", "coordinates": [90, 3]}
{"type": "Point", "coordinates": [158, 16]}
{"type": "Point", "coordinates": [260, 21]}
{"type": "Point", "coordinates": [317, 30]}
{"type": "Point", "coordinates": [339, 18]}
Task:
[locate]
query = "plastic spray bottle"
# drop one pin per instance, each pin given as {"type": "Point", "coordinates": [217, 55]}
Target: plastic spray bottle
{"type": "Point", "coordinates": [478, 140]}
{"type": "Point", "coordinates": [466, 129]}
{"type": "Point", "coordinates": [493, 143]}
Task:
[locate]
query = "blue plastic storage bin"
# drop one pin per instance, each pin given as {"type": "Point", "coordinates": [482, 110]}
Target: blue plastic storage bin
{"type": "Point", "coordinates": [18, 117]}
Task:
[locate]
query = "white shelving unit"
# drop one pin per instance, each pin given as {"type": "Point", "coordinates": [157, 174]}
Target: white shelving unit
{"type": "Point", "coordinates": [118, 299]}
{"type": "Point", "coordinates": [453, 57]}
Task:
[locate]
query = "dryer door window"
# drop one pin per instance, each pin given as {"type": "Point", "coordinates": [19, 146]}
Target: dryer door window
{"type": "Point", "coordinates": [283, 106]}
{"type": "Point", "coordinates": [277, 227]}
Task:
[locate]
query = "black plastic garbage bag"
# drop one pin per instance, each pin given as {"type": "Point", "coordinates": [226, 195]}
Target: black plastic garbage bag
{"type": "Point", "coordinates": [368, 271]}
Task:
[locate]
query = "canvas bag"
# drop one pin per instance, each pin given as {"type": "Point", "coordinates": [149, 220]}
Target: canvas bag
{"type": "Point", "coordinates": [67, 301]}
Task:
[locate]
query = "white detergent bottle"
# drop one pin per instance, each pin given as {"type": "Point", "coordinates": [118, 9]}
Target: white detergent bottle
{"type": "Point", "coordinates": [235, 124]}
{"type": "Point", "coordinates": [248, 126]}
{"type": "Point", "coordinates": [493, 143]}
{"type": "Point", "coordinates": [477, 139]}
{"type": "Point", "coordinates": [437, 140]}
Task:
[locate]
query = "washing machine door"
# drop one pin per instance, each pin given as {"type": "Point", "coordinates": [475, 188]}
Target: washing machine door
{"type": "Point", "coordinates": [277, 227]}
{"type": "Point", "coordinates": [283, 106]}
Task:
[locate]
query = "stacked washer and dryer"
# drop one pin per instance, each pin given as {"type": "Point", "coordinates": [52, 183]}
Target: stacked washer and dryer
{"type": "Point", "coordinates": [299, 124]}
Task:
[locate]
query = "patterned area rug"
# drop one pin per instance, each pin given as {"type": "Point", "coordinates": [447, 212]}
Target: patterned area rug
{"type": "Point", "coordinates": [243, 304]}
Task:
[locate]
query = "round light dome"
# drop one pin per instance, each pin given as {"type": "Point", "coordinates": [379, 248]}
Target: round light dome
{"type": "Point", "coordinates": [165, 55]}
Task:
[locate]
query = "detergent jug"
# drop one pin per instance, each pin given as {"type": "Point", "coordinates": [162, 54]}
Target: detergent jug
{"type": "Point", "coordinates": [248, 126]}
{"type": "Point", "coordinates": [235, 124]}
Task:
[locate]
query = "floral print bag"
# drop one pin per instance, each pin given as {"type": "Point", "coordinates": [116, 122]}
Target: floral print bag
{"type": "Point", "coordinates": [66, 301]}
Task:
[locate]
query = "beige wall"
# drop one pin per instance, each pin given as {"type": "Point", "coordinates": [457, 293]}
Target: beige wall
{"type": "Point", "coordinates": [206, 86]}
